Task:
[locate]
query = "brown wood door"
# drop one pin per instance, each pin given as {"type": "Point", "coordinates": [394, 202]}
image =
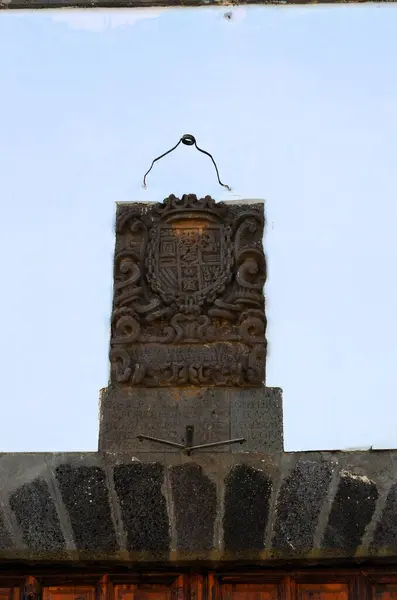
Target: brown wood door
{"type": "Point", "coordinates": [383, 588]}
{"type": "Point", "coordinates": [146, 586]}
{"type": "Point", "coordinates": [385, 591]}
{"type": "Point", "coordinates": [251, 591]}
{"type": "Point", "coordinates": [9, 593]}
{"type": "Point", "coordinates": [322, 591]}
{"type": "Point", "coordinates": [353, 584]}
{"type": "Point", "coordinates": [262, 586]}
{"type": "Point", "coordinates": [72, 592]}
{"type": "Point", "coordinates": [161, 588]}
{"type": "Point", "coordinates": [240, 587]}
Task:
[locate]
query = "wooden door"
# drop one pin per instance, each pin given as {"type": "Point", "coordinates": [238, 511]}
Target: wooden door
{"type": "Point", "coordinates": [9, 593]}
{"type": "Point", "coordinates": [256, 587]}
{"type": "Point", "coordinates": [385, 591]}
{"type": "Point", "coordinates": [354, 584]}
{"type": "Point", "coordinates": [251, 591]}
{"type": "Point", "coordinates": [265, 586]}
{"type": "Point", "coordinates": [322, 591]}
{"type": "Point", "coordinates": [382, 586]}
{"type": "Point", "coordinates": [146, 587]}
{"type": "Point", "coordinates": [69, 592]}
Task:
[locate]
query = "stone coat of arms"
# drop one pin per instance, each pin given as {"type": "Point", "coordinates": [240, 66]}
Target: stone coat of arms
{"type": "Point", "coordinates": [188, 306]}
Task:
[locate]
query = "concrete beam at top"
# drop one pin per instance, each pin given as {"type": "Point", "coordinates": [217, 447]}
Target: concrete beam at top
{"type": "Point", "coordinates": [41, 4]}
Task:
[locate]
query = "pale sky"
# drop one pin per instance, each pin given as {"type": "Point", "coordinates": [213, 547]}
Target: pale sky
{"type": "Point", "coordinates": [298, 106]}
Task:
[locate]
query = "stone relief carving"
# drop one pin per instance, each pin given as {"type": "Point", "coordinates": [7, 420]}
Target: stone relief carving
{"type": "Point", "coordinates": [188, 305]}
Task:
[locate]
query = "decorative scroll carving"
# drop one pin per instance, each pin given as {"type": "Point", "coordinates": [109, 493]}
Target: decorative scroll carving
{"type": "Point", "coordinates": [188, 305]}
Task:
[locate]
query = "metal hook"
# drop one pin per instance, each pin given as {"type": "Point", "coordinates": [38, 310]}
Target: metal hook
{"type": "Point", "coordinates": [188, 140]}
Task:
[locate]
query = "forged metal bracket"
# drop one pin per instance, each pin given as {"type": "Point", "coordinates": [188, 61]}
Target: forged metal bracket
{"type": "Point", "coordinates": [188, 447]}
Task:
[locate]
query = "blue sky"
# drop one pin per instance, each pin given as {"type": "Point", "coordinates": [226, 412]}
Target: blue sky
{"type": "Point", "coordinates": [298, 106]}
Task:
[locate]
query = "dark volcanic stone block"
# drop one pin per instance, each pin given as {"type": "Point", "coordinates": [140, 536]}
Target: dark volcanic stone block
{"type": "Point", "coordinates": [301, 497]}
{"type": "Point", "coordinates": [143, 506]}
{"type": "Point", "coordinates": [257, 415]}
{"type": "Point", "coordinates": [247, 497]}
{"type": "Point", "coordinates": [37, 517]}
{"type": "Point", "coordinates": [86, 497]}
{"type": "Point", "coordinates": [5, 540]}
{"type": "Point", "coordinates": [194, 498]}
{"type": "Point", "coordinates": [385, 536]}
{"type": "Point", "coordinates": [351, 511]}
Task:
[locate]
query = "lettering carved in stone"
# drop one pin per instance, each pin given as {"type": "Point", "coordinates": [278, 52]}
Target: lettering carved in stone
{"type": "Point", "coordinates": [188, 305]}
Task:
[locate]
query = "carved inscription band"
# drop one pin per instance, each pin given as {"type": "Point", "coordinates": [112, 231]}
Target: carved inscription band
{"type": "Point", "coordinates": [188, 304]}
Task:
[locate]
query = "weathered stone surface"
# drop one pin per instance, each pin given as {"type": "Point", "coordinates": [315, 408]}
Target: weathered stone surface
{"type": "Point", "coordinates": [143, 507]}
{"type": "Point", "coordinates": [86, 497]}
{"type": "Point", "coordinates": [163, 413]}
{"type": "Point", "coordinates": [5, 539]}
{"type": "Point", "coordinates": [217, 414]}
{"type": "Point", "coordinates": [37, 517]}
{"type": "Point", "coordinates": [299, 502]}
{"type": "Point", "coordinates": [352, 510]}
{"type": "Point", "coordinates": [188, 343]}
{"type": "Point", "coordinates": [261, 505]}
{"type": "Point", "coordinates": [247, 497]}
{"type": "Point", "coordinates": [257, 415]}
{"type": "Point", "coordinates": [188, 305]}
{"type": "Point", "coordinates": [385, 535]}
{"type": "Point", "coordinates": [195, 506]}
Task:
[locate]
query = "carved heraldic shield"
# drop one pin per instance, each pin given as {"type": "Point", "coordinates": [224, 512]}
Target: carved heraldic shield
{"type": "Point", "coordinates": [188, 305]}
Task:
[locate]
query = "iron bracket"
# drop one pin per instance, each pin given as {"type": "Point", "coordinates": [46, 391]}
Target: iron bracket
{"type": "Point", "coordinates": [188, 447]}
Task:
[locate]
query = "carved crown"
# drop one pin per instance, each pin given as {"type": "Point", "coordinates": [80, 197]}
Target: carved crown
{"type": "Point", "coordinates": [189, 202]}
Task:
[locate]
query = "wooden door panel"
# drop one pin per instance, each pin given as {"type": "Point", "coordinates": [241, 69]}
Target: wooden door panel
{"type": "Point", "coordinates": [381, 585]}
{"type": "Point", "coordinates": [143, 592]}
{"type": "Point", "coordinates": [155, 593]}
{"type": "Point", "coordinates": [384, 591]}
{"type": "Point", "coordinates": [151, 590]}
{"type": "Point", "coordinates": [124, 592]}
{"type": "Point", "coordinates": [250, 591]}
{"type": "Point", "coordinates": [69, 593]}
{"type": "Point", "coordinates": [322, 591]}
{"type": "Point", "coordinates": [9, 593]}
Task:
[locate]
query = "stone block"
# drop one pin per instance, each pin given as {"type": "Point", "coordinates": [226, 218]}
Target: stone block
{"type": "Point", "coordinates": [37, 517]}
{"type": "Point", "coordinates": [256, 414]}
{"type": "Point", "coordinates": [352, 509]}
{"type": "Point", "coordinates": [247, 501]}
{"type": "Point", "coordinates": [163, 413]}
{"type": "Point", "coordinates": [385, 535]}
{"type": "Point", "coordinates": [301, 497]}
{"type": "Point", "coordinates": [5, 539]}
{"type": "Point", "coordinates": [217, 414]}
{"type": "Point", "coordinates": [195, 507]}
{"type": "Point", "coordinates": [143, 507]}
{"type": "Point", "coordinates": [86, 496]}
